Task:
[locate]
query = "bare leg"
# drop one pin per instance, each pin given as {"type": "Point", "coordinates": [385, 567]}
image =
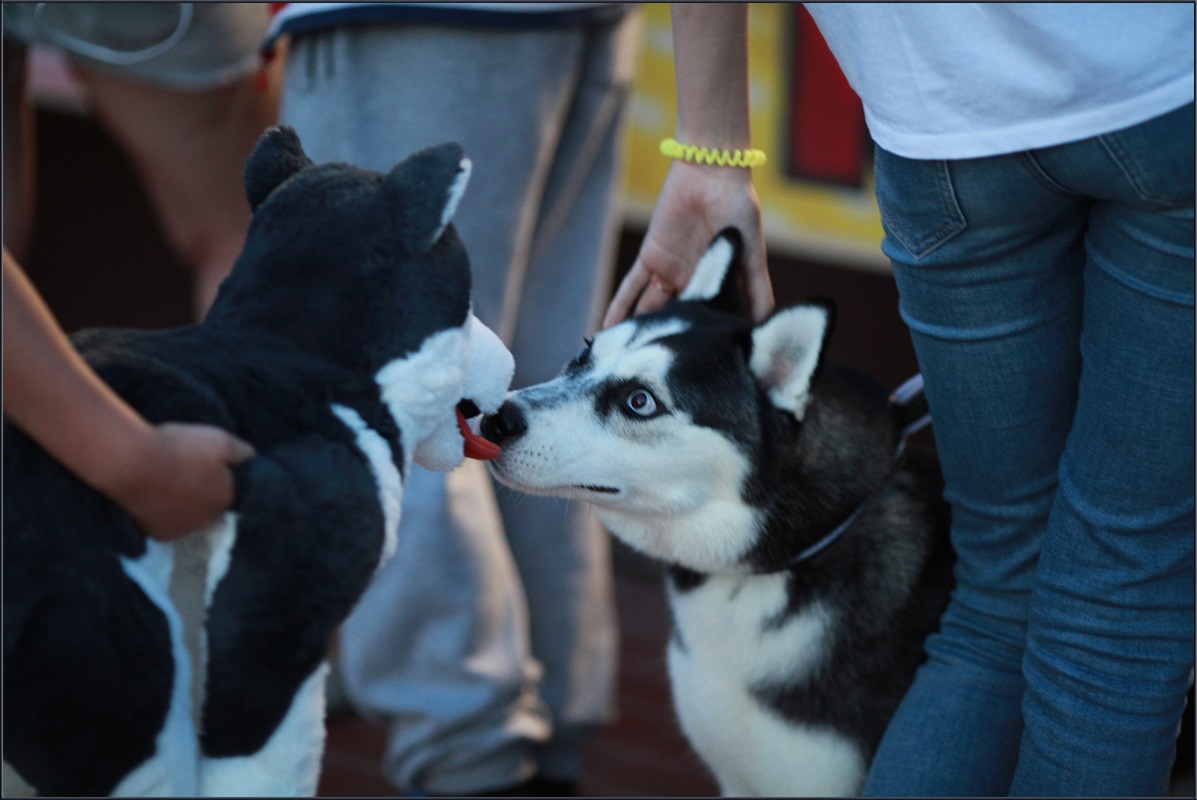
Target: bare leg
{"type": "Point", "coordinates": [189, 148]}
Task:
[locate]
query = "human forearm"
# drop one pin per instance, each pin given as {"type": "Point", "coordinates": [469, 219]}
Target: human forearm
{"type": "Point", "coordinates": [55, 397]}
{"type": "Point", "coordinates": [172, 478]}
{"type": "Point", "coordinates": [710, 45]}
{"type": "Point", "coordinates": [699, 200]}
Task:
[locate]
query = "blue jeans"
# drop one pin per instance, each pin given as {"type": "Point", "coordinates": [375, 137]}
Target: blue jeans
{"type": "Point", "coordinates": [1049, 295]}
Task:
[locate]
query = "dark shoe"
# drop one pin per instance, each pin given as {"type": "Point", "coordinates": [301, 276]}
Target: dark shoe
{"type": "Point", "coordinates": [537, 786]}
{"type": "Point", "coordinates": [533, 787]}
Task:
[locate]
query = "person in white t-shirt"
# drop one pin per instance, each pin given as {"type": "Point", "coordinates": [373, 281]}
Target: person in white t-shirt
{"type": "Point", "coordinates": [1035, 175]}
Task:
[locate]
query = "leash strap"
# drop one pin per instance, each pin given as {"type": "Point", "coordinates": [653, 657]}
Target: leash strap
{"type": "Point", "coordinates": [910, 396]}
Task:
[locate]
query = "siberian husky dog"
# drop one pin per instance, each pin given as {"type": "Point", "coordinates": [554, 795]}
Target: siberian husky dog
{"type": "Point", "coordinates": [807, 561]}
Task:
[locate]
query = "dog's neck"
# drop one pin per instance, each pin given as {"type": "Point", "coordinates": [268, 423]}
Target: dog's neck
{"type": "Point", "coordinates": [832, 536]}
{"type": "Point", "coordinates": [909, 400]}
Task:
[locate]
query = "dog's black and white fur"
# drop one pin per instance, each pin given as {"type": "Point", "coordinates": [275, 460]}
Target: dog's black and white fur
{"type": "Point", "coordinates": [807, 563]}
{"type": "Point", "coordinates": [339, 347]}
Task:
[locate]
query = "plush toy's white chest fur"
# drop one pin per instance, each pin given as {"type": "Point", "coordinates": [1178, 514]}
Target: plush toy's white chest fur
{"type": "Point", "coordinates": [730, 639]}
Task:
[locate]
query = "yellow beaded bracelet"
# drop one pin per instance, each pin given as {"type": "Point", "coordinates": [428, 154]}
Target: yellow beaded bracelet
{"type": "Point", "coordinates": [704, 155]}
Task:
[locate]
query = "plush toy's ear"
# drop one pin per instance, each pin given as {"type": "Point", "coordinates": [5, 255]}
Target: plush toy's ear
{"type": "Point", "coordinates": [714, 279]}
{"type": "Point", "coordinates": [424, 190]}
{"type": "Point", "coordinates": [787, 350]}
{"type": "Point", "coordinates": [277, 156]}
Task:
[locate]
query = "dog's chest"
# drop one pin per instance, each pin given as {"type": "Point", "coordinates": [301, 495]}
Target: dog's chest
{"type": "Point", "coordinates": [738, 631]}
{"type": "Point", "coordinates": [734, 635]}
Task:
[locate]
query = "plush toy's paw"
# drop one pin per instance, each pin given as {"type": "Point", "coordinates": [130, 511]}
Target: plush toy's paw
{"type": "Point", "coordinates": [310, 534]}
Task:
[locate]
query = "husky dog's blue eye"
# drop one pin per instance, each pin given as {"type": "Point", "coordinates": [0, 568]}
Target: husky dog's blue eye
{"type": "Point", "coordinates": [642, 402]}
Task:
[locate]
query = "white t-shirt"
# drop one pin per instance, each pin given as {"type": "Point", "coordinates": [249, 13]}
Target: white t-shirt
{"type": "Point", "coordinates": [964, 80]}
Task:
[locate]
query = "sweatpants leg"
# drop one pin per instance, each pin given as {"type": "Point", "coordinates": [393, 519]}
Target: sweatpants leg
{"type": "Point", "coordinates": [566, 285]}
{"type": "Point", "coordinates": [462, 695]}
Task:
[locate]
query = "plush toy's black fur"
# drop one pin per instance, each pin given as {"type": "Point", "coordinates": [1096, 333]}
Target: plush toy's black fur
{"type": "Point", "coordinates": [343, 271]}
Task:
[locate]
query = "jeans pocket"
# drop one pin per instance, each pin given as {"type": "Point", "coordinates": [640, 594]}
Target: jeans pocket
{"type": "Point", "coordinates": [917, 202]}
{"type": "Point", "coordinates": [1156, 157]}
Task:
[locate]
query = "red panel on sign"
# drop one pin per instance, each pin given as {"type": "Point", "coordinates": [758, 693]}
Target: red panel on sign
{"type": "Point", "coordinates": [828, 139]}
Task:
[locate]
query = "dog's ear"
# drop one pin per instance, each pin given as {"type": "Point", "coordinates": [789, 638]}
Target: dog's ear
{"type": "Point", "coordinates": [277, 156]}
{"type": "Point", "coordinates": [714, 279]}
{"type": "Point", "coordinates": [787, 351]}
{"type": "Point", "coordinates": [424, 190]}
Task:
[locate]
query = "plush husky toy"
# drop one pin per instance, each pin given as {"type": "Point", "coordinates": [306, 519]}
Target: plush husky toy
{"type": "Point", "coordinates": [807, 561]}
{"type": "Point", "coordinates": [341, 346]}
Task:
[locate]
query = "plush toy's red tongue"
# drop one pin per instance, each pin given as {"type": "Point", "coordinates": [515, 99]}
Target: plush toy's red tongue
{"type": "Point", "coordinates": [475, 445]}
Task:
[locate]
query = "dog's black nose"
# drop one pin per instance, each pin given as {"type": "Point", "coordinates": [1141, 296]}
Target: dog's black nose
{"type": "Point", "coordinates": [505, 424]}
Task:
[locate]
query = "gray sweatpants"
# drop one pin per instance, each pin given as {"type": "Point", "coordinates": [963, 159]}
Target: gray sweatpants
{"type": "Point", "coordinates": [488, 644]}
